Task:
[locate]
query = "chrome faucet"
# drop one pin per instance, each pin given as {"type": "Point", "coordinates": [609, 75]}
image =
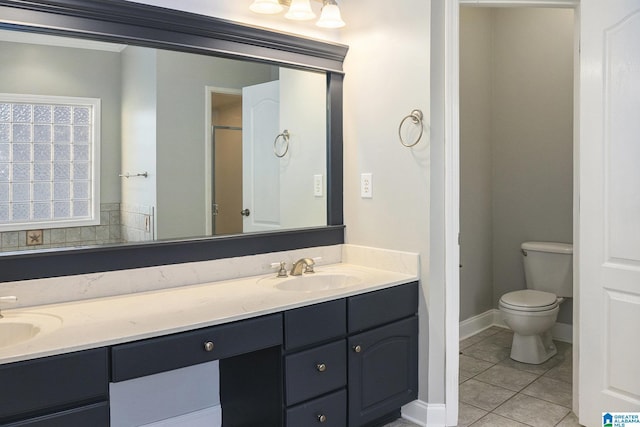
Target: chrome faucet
{"type": "Point", "coordinates": [9, 299]}
{"type": "Point", "coordinates": [303, 265]}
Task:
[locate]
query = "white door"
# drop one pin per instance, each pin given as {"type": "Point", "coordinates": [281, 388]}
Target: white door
{"type": "Point", "coordinates": [260, 166]}
{"type": "Point", "coordinates": [609, 246]}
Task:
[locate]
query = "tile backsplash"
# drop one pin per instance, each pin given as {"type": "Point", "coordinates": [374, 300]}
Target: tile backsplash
{"type": "Point", "coordinates": [107, 232]}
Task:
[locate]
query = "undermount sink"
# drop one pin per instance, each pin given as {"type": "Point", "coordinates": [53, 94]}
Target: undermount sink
{"type": "Point", "coordinates": [314, 282]}
{"type": "Point", "coordinates": [19, 327]}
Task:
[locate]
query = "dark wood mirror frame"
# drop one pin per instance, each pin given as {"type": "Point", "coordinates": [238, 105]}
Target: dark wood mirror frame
{"type": "Point", "coordinates": [120, 21]}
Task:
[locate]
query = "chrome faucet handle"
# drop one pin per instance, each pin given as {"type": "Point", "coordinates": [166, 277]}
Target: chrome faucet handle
{"type": "Point", "coordinates": [282, 268]}
{"type": "Point", "coordinates": [308, 266]}
{"type": "Point", "coordinates": [8, 300]}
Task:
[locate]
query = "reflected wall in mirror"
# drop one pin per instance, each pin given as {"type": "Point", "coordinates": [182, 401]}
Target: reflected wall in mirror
{"type": "Point", "coordinates": [203, 129]}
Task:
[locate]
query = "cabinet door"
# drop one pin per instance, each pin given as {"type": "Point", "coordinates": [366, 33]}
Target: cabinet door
{"type": "Point", "coordinates": [96, 415]}
{"type": "Point", "coordinates": [383, 370]}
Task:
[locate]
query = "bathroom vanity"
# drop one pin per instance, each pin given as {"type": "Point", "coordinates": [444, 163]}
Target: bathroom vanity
{"type": "Point", "coordinates": [346, 356]}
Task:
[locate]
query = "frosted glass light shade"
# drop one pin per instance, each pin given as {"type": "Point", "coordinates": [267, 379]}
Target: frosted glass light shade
{"type": "Point", "coordinates": [300, 10]}
{"type": "Point", "coordinates": [330, 17]}
{"type": "Point", "coordinates": [266, 6]}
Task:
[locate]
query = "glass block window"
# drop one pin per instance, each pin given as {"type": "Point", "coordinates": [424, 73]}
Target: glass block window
{"type": "Point", "coordinates": [49, 161]}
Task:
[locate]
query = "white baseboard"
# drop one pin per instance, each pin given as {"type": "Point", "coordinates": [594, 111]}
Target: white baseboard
{"type": "Point", "coordinates": [425, 414]}
{"type": "Point", "coordinates": [493, 317]}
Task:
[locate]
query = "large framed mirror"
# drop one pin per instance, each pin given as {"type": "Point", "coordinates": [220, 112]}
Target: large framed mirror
{"type": "Point", "coordinates": [135, 136]}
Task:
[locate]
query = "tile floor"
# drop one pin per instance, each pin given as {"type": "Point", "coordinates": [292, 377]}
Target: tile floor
{"type": "Point", "coordinates": [496, 391]}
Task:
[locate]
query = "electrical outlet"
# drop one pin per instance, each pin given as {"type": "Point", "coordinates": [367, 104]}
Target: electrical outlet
{"type": "Point", "coordinates": [317, 185]}
{"type": "Point", "coordinates": [366, 186]}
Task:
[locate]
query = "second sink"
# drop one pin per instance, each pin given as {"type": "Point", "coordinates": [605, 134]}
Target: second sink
{"type": "Point", "coordinates": [314, 282]}
{"type": "Point", "coordinates": [16, 328]}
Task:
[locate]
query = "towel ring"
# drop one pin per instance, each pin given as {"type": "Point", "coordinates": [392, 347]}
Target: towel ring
{"type": "Point", "coordinates": [416, 117]}
{"type": "Point", "coordinates": [285, 138]}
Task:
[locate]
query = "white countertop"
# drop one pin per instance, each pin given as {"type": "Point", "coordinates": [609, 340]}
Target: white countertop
{"type": "Point", "coordinates": [112, 320]}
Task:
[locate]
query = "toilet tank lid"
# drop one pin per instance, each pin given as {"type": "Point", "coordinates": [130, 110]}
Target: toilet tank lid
{"type": "Point", "coordinates": [554, 247]}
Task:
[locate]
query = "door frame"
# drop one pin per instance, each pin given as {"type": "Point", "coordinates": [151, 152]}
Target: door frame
{"type": "Point", "coordinates": [208, 152]}
{"type": "Point", "coordinates": [451, 184]}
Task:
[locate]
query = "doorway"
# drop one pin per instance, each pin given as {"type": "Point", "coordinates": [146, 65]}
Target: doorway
{"type": "Point", "coordinates": [446, 89]}
{"type": "Point", "coordinates": [224, 189]}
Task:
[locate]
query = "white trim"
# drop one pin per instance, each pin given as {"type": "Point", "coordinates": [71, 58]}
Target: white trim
{"type": "Point", "coordinates": [473, 325]}
{"type": "Point", "coordinates": [425, 414]}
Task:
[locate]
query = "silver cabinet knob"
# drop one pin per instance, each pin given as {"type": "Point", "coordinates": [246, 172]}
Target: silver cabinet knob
{"type": "Point", "coordinates": [208, 346]}
{"type": "Point", "coordinates": [321, 367]}
{"type": "Point", "coordinates": [357, 348]}
{"type": "Point", "coordinates": [245, 212]}
{"type": "Point", "coordinates": [322, 418]}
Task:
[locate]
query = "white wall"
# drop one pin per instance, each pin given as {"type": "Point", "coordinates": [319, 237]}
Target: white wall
{"type": "Point", "coordinates": [303, 111]}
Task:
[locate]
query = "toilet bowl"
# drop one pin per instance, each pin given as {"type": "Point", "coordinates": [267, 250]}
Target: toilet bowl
{"type": "Point", "coordinates": [531, 314]}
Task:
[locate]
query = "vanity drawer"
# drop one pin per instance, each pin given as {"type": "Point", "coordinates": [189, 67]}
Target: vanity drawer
{"type": "Point", "coordinates": [175, 351]}
{"type": "Point", "coordinates": [327, 411]}
{"type": "Point", "coordinates": [33, 386]}
{"type": "Point", "coordinates": [96, 415]}
{"type": "Point", "coordinates": [315, 324]}
{"type": "Point", "coordinates": [380, 307]}
{"type": "Point", "coordinates": [313, 372]}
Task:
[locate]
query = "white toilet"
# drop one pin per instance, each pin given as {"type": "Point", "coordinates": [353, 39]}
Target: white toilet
{"type": "Point", "coordinates": [531, 313]}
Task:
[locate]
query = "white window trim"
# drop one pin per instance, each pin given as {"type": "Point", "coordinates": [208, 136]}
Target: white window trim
{"type": "Point", "coordinates": [94, 207]}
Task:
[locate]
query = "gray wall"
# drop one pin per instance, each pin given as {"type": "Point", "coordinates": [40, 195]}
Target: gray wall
{"type": "Point", "coordinates": [180, 147]}
{"type": "Point", "coordinates": [529, 98]}
{"type": "Point", "coordinates": [61, 71]}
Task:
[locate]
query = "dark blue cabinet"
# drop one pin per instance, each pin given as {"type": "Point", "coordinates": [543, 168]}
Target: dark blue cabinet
{"type": "Point", "coordinates": [352, 362]}
{"type": "Point", "coordinates": [66, 390]}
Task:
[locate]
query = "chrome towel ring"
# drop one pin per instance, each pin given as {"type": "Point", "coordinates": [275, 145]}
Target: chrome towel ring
{"type": "Point", "coordinates": [416, 118]}
{"type": "Point", "coordinates": [285, 138]}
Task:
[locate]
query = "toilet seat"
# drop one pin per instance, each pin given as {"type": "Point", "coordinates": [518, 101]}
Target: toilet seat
{"type": "Point", "coordinates": [529, 300]}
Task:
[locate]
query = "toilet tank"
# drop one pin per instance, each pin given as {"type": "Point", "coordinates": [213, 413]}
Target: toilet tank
{"type": "Point", "coordinates": [548, 267]}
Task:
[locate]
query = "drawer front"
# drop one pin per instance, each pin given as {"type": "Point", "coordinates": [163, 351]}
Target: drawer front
{"type": "Point", "coordinates": [93, 415]}
{"type": "Point", "coordinates": [313, 372]}
{"type": "Point", "coordinates": [327, 411]}
{"type": "Point", "coordinates": [35, 385]}
{"type": "Point", "coordinates": [315, 324]}
{"type": "Point", "coordinates": [175, 351]}
{"type": "Point", "coordinates": [377, 308]}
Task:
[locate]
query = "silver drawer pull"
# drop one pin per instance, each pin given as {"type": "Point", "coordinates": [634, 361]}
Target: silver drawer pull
{"type": "Point", "coordinates": [321, 367]}
{"type": "Point", "coordinates": [322, 418]}
{"type": "Point", "coordinates": [208, 346]}
{"type": "Point", "coordinates": [357, 348]}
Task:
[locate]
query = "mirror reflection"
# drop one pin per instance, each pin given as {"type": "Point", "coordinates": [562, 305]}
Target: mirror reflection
{"type": "Point", "coordinates": [105, 144]}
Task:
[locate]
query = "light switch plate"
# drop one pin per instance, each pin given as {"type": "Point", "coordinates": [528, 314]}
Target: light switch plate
{"type": "Point", "coordinates": [317, 185]}
{"type": "Point", "coordinates": [366, 186]}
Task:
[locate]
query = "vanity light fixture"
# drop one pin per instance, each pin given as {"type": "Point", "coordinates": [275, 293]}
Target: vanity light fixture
{"type": "Point", "coordinates": [300, 10]}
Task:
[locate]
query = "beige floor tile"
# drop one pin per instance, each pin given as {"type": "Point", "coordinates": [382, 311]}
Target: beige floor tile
{"type": "Point", "coordinates": [472, 365]}
{"type": "Point", "coordinates": [569, 421]}
{"type": "Point", "coordinates": [502, 338]}
{"type": "Point", "coordinates": [532, 411]}
{"type": "Point", "coordinates": [534, 369]}
{"type": "Point", "coordinates": [551, 390]}
{"type": "Point", "coordinates": [493, 420]}
{"type": "Point", "coordinates": [562, 372]}
{"type": "Point", "coordinates": [468, 414]}
{"type": "Point", "coordinates": [400, 423]}
{"type": "Point", "coordinates": [487, 352]}
{"type": "Point", "coordinates": [509, 378]}
{"type": "Point", "coordinates": [463, 376]}
{"type": "Point", "coordinates": [482, 395]}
